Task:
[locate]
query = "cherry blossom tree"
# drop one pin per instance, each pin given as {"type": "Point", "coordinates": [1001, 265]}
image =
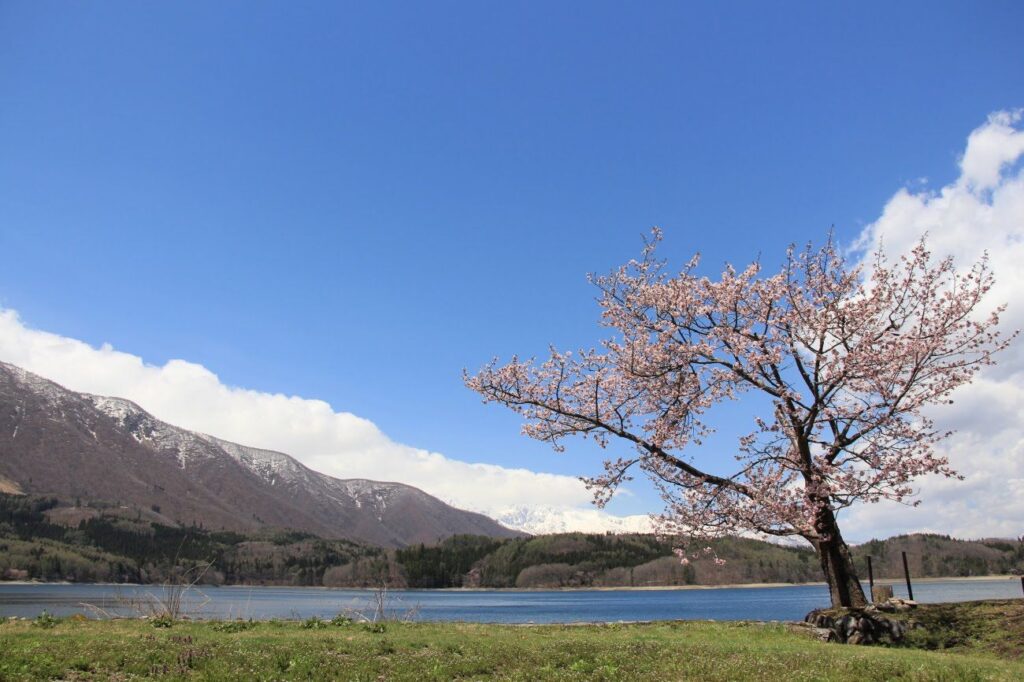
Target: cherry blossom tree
{"type": "Point", "coordinates": [847, 357]}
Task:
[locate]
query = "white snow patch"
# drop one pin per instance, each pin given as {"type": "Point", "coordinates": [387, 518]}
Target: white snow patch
{"type": "Point", "coordinates": [541, 520]}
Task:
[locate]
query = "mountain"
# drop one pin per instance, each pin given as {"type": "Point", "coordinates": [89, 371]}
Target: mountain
{"type": "Point", "coordinates": [546, 520]}
{"type": "Point", "coordinates": [54, 441]}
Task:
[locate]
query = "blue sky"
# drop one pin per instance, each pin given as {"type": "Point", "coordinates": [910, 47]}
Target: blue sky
{"type": "Point", "coordinates": [354, 202]}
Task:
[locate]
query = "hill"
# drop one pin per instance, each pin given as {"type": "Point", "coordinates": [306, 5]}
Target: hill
{"type": "Point", "coordinates": [111, 452]}
{"type": "Point", "coordinates": [940, 555]}
{"type": "Point", "coordinates": [581, 560]}
{"type": "Point", "coordinates": [44, 539]}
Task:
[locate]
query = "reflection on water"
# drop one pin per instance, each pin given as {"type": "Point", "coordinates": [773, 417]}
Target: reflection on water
{"type": "Point", "coordinates": [753, 603]}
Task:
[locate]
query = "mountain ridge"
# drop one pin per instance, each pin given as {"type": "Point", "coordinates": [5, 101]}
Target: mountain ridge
{"type": "Point", "coordinates": [55, 441]}
{"type": "Point", "coordinates": [548, 520]}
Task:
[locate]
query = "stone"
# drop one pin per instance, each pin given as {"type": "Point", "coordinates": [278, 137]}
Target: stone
{"type": "Point", "coordinates": [846, 626]}
{"type": "Point", "coordinates": [897, 629]}
{"type": "Point", "coordinates": [858, 626]}
{"type": "Point", "coordinates": [820, 634]}
{"type": "Point", "coordinates": [896, 604]}
{"type": "Point", "coordinates": [902, 604]}
{"type": "Point", "coordinates": [820, 620]}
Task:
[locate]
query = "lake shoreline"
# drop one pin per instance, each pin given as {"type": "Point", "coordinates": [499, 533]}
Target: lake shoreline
{"type": "Point", "coordinates": [748, 602]}
{"type": "Point", "coordinates": [635, 588]}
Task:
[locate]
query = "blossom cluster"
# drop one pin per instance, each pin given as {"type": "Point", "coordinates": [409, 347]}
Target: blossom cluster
{"type": "Point", "coordinates": [848, 359]}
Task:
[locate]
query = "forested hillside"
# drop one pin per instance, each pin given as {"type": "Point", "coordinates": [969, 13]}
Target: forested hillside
{"type": "Point", "coordinates": [120, 545]}
{"type": "Point", "coordinates": [941, 555]}
{"type": "Point", "coordinates": [44, 539]}
{"type": "Point", "coordinates": [581, 560]}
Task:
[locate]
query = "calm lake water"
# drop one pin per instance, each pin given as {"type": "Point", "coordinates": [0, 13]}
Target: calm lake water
{"type": "Point", "coordinates": [486, 606]}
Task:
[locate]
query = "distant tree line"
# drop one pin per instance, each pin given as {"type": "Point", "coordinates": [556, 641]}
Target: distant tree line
{"type": "Point", "coordinates": [110, 544]}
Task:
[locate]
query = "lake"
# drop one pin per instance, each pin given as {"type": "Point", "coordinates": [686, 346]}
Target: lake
{"type": "Point", "coordinates": [790, 602]}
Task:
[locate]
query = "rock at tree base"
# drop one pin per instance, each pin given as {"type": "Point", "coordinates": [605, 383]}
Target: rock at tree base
{"type": "Point", "coordinates": [859, 626]}
{"type": "Point", "coordinates": [809, 630]}
{"type": "Point", "coordinates": [894, 604]}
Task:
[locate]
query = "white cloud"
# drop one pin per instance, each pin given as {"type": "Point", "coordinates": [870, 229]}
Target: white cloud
{"type": "Point", "coordinates": [989, 149]}
{"type": "Point", "coordinates": [336, 443]}
{"type": "Point", "coordinates": [983, 210]}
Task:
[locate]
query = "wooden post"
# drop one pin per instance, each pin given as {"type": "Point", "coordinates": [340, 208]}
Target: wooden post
{"type": "Point", "coordinates": [881, 594]}
{"type": "Point", "coordinates": [871, 579]}
{"type": "Point", "coordinates": [906, 574]}
{"type": "Point", "coordinates": [1022, 582]}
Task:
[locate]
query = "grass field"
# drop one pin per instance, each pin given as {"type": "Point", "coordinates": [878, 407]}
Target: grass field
{"type": "Point", "coordinates": [317, 650]}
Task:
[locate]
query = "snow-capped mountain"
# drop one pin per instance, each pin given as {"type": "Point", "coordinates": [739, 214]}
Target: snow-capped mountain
{"type": "Point", "coordinates": [540, 520]}
{"type": "Point", "coordinates": [74, 445]}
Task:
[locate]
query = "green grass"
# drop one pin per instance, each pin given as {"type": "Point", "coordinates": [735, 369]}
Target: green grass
{"type": "Point", "coordinates": [132, 649]}
{"type": "Point", "coordinates": [994, 626]}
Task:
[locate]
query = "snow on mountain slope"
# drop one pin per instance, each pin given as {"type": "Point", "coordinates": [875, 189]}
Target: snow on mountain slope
{"type": "Point", "coordinates": [272, 467]}
{"type": "Point", "coordinates": [185, 446]}
{"type": "Point", "coordinates": [279, 469]}
{"type": "Point", "coordinates": [544, 520]}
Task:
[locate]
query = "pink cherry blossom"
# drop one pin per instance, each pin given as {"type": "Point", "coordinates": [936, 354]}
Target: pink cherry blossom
{"type": "Point", "coordinates": [849, 359]}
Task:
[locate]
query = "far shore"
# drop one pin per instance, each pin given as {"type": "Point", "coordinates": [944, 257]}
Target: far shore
{"type": "Point", "coordinates": [635, 588]}
{"type": "Point", "coordinates": [878, 581]}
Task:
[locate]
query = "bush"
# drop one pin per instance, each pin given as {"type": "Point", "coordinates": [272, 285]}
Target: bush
{"type": "Point", "coordinates": [314, 623]}
{"type": "Point", "coordinates": [164, 620]}
{"type": "Point", "coordinates": [45, 620]}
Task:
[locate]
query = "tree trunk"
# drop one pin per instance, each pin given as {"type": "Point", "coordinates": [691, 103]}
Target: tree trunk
{"type": "Point", "coordinates": [837, 563]}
